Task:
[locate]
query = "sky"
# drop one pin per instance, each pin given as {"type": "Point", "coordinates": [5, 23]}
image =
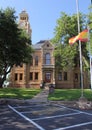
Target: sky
{"type": "Point", "coordinates": [43, 14]}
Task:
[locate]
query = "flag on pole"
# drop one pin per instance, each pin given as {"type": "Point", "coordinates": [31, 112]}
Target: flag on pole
{"type": "Point", "coordinates": [72, 40]}
{"type": "Point", "coordinates": [82, 36]}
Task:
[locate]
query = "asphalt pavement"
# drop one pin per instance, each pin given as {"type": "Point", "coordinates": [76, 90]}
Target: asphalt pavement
{"type": "Point", "coordinates": [40, 114]}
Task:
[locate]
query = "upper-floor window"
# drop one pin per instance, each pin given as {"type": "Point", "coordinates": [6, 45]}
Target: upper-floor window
{"type": "Point", "coordinates": [47, 59]}
{"type": "Point", "coordinates": [36, 60]}
{"type": "Point", "coordinates": [65, 76]}
{"type": "Point", "coordinates": [21, 64]}
{"type": "Point", "coordinates": [31, 62]}
{"type": "Point", "coordinates": [60, 76]}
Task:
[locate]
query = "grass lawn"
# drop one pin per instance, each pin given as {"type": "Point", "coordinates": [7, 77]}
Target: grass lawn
{"type": "Point", "coordinates": [70, 94]}
{"type": "Point", "coordinates": [18, 93]}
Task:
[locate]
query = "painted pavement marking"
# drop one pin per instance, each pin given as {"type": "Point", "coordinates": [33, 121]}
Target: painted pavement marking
{"type": "Point", "coordinates": [73, 126]}
{"type": "Point", "coordinates": [79, 111]}
{"type": "Point", "coordinates": [78, 125]}
{"type": "Point", "coordinates": [76, 112]}
{"type": "Point", "coordinates": [56, 116]}
{"type": "Point", "coordinates": [26, 118]}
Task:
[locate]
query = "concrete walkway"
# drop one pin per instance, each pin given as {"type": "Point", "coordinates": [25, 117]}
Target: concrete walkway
{"type": "Point", "coordinates": [42, 97]}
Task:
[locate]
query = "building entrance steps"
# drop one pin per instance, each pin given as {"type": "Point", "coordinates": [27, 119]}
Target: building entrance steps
{"type": "Point", "coordinates": [42, 97]}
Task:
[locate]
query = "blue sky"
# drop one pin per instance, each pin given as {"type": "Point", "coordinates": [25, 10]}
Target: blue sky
{"type": "Point", "coordinates": [43, 14]}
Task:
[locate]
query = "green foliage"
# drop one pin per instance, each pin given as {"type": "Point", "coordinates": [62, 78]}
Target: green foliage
{"type": "Point", "coordinates": [65, 55]}
{"type": "Point", "coordinates": [66, 28]}
{"type": "Point", "coordinates": [15, 45]}
{"type": "Point", "coordinates": [90, 28]}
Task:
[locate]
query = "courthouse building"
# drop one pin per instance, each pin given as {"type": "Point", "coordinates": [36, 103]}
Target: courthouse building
{"type": "Point", "coordinates": [42, 66]}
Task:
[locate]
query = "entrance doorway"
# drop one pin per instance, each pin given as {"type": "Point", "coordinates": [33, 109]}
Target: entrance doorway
{"type": "Point", "coordinates": [48, 77]}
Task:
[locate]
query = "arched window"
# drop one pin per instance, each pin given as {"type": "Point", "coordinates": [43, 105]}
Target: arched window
{"type": "Point", "coordinates": [47, 59]}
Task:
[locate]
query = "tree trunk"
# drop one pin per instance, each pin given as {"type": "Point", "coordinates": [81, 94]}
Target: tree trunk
{"type": "Point", "coordinates": [1, 83]}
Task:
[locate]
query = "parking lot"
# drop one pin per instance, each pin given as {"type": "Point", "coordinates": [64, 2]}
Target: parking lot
{"type": "Point", "coordinates": [44, 117]}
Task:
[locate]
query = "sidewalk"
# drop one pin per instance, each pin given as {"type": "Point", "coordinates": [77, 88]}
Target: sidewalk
{"type": "Point", "coordinates": [42, 97]}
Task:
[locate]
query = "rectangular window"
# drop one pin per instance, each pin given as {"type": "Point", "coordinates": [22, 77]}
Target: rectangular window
{"type": "Point", "coordinates": [36, 76]}
{"type": "Point", "coordinates": [31, 62]}
{"type": "Point", "coordinates": [47, 59]}
{"type": "Point", "coordinates": [60, 76]}
{"type": "Point", "coordinates": [16, 76]}
{"type": "Point", "coordinates": [65, 76]}
{"type": "Point", "coordinates": [21, 76]}
{"type": "Point", "coordinates": [76, 77]}
{"type": "Point", "coordinates": [31, 76]}
{"type": "Point", "coordinates": [36, 60]}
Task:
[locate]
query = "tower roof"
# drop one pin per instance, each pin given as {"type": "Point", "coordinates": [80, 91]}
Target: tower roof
{"type": "Point", "coordinates": [24, 14]}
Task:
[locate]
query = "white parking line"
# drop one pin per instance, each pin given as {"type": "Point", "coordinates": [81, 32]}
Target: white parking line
{"type": "Point", "coordinates": [56, 116]}
{"type": "Point", "coordinates": [78, 111]}
{"type": "Point", "coordinates": [75, 112]}
{"type": "Point", "coordinates": [26, 118]}
{"type": "Point", "coordinates": [73, 126]}
{"type": "Point", "coordinates": [70, 108]}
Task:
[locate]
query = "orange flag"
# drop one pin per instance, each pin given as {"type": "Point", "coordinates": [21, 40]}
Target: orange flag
{"type": "Point", "coordinates": [73, 40]}
{"type": "Point", "coordinates": [82, 36]}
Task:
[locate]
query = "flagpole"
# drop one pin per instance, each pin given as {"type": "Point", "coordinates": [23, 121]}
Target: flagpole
{"type": "Point", "coordinates": [80, 52]}
{"type": "Point", "coordinates": [90, 56]}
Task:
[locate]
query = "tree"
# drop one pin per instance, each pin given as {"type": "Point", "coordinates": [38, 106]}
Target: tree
{"type": "Point", "coordinates": [90, 27]}
{"type": "Point", "coordinates": [66, 28]}
{"type": "Point", "coordinates": [15, 44]}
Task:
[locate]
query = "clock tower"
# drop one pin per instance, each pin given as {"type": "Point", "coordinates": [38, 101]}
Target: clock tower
{"type": "Point", "coordinates": [24, 22]}
{"type": "Point", "coordinates": [25, 25]}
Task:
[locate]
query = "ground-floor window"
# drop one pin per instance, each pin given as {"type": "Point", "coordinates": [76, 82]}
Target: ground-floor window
{"type": "Point", "coordinates": [36, 76]}
{"type": "Point", "coordinates": [60, 76]}
{"type": "Point", "coordinates": [76, 77]}
{"type": "Point", "coordinates": [21, 76]}
{"type": "Point", "coordinates": [16, 77]}
{"type": "Point", "coordinates": [31, 76]}
{"type": "Point", "coordinates": [65, 76]}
